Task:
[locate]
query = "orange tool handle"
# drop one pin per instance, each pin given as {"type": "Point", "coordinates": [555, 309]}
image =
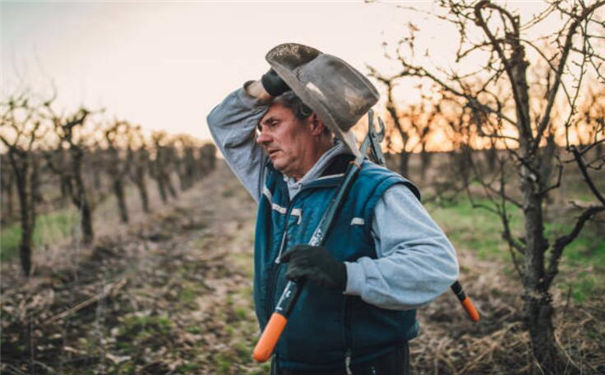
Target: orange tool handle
{"type": "Point", "coordinates": [470, 309]}
{"type": "Point", "coordinates": [465, 301]}
{"type": "Point", "coordinates": [264, 347]}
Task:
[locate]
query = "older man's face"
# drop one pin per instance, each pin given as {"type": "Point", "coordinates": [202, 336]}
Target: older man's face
{"type": "Point", "coordinates": [287, 140]}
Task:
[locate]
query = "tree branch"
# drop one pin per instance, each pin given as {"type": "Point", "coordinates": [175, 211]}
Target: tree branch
{"type": "Point", "coordinates": [525, 123]}
{"type": "Point", "coordinates": [563, 241]}
{"type": "Point", "coordinates": [587, 178]}
{"type": "Point", "coordinates": [559, 72]}
{"type": "Point", "coordinates": [415, 71]}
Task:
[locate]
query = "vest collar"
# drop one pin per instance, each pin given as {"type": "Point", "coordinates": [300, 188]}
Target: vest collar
{"type": "Point", "coordinates": [331, 176]}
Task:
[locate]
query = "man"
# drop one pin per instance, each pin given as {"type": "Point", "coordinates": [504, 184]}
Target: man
{"type": "Point", "coordinates": [288, 139]}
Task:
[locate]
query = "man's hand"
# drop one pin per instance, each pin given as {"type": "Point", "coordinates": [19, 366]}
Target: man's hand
{"type": "Point", "coordinates": [273, 84]}
{"type": "Point", "coordinates": [316, 264]}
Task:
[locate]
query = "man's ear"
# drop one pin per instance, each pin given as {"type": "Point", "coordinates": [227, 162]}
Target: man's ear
{"type": "Point", "coordinates": [317, 126]}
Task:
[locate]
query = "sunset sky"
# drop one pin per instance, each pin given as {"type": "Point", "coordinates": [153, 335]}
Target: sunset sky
{"type": "Point", "coordinates": [164, 65]}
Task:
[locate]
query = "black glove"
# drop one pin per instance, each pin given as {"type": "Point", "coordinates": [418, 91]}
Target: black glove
{"type": "Point", "coordinates": [273, 84]}
{"type": "Point", "coordinates": [316, 264]}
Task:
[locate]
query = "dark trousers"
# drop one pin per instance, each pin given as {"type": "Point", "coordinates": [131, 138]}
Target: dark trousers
{"type": "Point", "coordinates": [397, 362]}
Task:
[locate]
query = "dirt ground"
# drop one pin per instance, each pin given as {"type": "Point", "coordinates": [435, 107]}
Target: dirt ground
{"type": "Point", "coordinates": [172, 294]}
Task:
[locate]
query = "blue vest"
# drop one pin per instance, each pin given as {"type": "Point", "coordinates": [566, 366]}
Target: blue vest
{"type": "Point", "coordinates": [325, 325]}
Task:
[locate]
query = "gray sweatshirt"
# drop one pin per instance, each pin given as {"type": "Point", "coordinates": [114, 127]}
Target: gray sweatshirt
{"type": "Point", "coordinates": [415, 261]}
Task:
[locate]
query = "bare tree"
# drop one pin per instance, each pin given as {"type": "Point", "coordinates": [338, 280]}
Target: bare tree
{"type": "Point", "coordinates": [412, 124]}
{"type": "Point", "coordinates": [138, 158]}
{"type": "Point", "coordinates": [58, 159]}
{"type": "Point", "coordinates": [96, 160]}
{"type": "Point", "coordinates": [186, 168]}
{"type": "Point", "coordinates": [462, 156]}
{"type": "Point", "coordinates": [168, 161]}
{"type": "Point", "coordinates": [7, 184]}
{"type": "Point", "coordinates": [161, 165]}
{"type": "Point", "coordinates": [525, 129]}
{"type": "Point", "coordinates": [396, 118]}
{"type": "Point", "coordinates": [21, 130]}
{"type": "Point", "coordinates": [117, 166]}
{"type": "Point", "coordinates": [67, 130]}
{"type": "Point", "coordinates": [207, 159]}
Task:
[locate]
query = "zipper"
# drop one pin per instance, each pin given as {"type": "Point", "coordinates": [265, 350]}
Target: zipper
{"type": "Point", "coordinates": [271, 288]}
{"type": "Point", "coordinates": [275, 266]}
{"type": "Point", "coordinates": [283, 242]}
{"type": "Point", "coordinates": [288, 213]}
{"type": "Point", "coordinates": [348, 362]}
{"type": "Point", "coordinates": [348, 334]}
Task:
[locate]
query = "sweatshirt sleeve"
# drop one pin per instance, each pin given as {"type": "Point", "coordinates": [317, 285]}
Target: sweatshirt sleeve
{"type": "Point", "coordinates": [232, 124]}
{"type": "Point", "coordinates": [416, 262]}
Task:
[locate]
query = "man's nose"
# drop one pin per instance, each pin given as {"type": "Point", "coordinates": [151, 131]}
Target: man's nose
{"type": "Point", "coordinates": [263, 137]}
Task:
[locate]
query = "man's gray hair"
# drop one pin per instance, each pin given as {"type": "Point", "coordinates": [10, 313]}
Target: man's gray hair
{"type": "Point", "coordinates": [295, 104]}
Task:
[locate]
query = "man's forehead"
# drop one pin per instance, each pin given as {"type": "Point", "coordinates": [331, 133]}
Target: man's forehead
{"type": "Point", "coordinates": [276, 109]}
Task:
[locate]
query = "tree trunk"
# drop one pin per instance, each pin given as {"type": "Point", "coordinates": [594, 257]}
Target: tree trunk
{"type": "Point", "coordinates": [160, 174]}
{"type": "Point", "coordinates": [169, 185]}
{"type": "Point", "coordinates": [64, 177]}
{"type": "Point", "coordinates": [80, 199]}
{"type": "Point", "coordinates": [168, 164]}
{"type": "Point", "coordinates": [25, 180]}
{"type": "Point", "coordinates": [491, 155]}
{"type": "Point", "coordinates": [207, 158]}
{"type": "Point", "coordinates": [538, 309]}
{"type": "Point", "coordinates": [86, 223]}
{"type": "Point", "coordinates": [404, 158]}
{"type": "Point", "coordinates": [139, 162]}
{"type": "Point", "coordinates": [142, 188]}
{"type": "Point", "coordinates": [25, 249]}
{"type": "Point", "coordinates": [162, 189]}
{"type": "Point", "coordinates": [180, 172]}
{"type": "Point", "coordinates": [190, 167]}
{"type": "Point", "coordinates": [463, 163]}
{"type": "Point", "coordinates": [65, 189]}
{"type": "Point", "coordinates": [118, 189]}
{"type": "Point", "coordinates": [539, 313]}
{"type": "Point", "coordinates": [27, 231]}
{"type": "Point", "coordinates": [81, 202]}
{"type": "Point", "coordinates": [8, 204]}
{"type": "Point", "coordinates": [97, 182]}
{"type": "Point", "coordinates": [425, 162]}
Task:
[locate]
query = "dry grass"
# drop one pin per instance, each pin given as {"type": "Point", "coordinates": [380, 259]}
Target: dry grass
{"type": "Point", "coordinates": [450, 344]}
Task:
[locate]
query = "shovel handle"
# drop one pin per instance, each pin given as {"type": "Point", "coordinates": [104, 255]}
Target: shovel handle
{"type": "Point", "coordinates": [264, 347]}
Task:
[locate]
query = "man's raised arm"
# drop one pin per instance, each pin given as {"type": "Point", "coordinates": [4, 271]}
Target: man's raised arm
{"type": "Point", "coordinates": [232, 124]}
